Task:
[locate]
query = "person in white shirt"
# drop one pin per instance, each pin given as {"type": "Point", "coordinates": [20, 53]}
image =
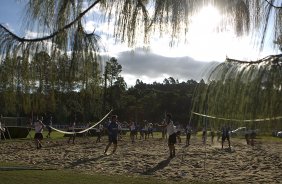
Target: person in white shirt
{"type": "Point", "coordinates": [164, 133]}
{"type": "Point", "coordinates": [38, 127]}
{"type": "Point", "coordinates": [171, 132]}
{"type": "Point", "coordinates": [120, 132]}
{"type": "Point", "coordinates": [178, 132]}
{"type": "Point", "coordinates": [99, 131]}
{"type": "Point", "coordinates": [146, 131]}
{"type": "Point", "coordinates": [132, 128]}
{"type": "Point", "coordinates": [2, 130]}
{"type": "Point", "coordinates": [150, 130]}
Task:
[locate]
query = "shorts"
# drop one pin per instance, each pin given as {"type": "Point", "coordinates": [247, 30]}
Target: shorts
{"type": "Point", "coordinates": [49, 129]}
{"type": "Point", "coordinates": [225, 137]}
{"type": "Point", "coordinates": [172, 139]}
{"type": "Point", "coordinates": [133, 132]}
{"type": "Point", "coordinates": [188, 135]}
{"type": "Point", "coordinates": [253, 135]}
{"type": "Point", "coordinates": [178, 133]}
{"type": "Point", "coordinates": [113, 139]}
{"type": "Point", "coordinates": [38, 136]}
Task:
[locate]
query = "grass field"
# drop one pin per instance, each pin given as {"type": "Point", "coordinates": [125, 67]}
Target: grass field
{"type": "Point", "coordinates": [22, 176]}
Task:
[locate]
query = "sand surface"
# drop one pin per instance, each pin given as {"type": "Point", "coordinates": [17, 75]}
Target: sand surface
{"type": "Point", "coordinates": [261, 163]}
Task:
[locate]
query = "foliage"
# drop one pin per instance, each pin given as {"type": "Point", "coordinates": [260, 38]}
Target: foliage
{"type": "Point", "coordinates": [59, 72]}
{"type": "Point", "coordinates": [116, 87]}
{"type": "Point", "coordinates": [151, 101]}
{"type": "Point", "coordinates": [240, 90]}
{"type": "Point", "coordinates": [61, 23]}
{"type": "Point", "coordinates": [50, 88]}
{"type": "Point", "coordinates": [44, 85]}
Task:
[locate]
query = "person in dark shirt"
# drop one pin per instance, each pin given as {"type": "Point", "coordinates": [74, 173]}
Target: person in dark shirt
{"type": "Point", "coordinates": [188, 131]}
{"type": "Point", "coordinates": [225, 135]}
{"type": "Point", "coordinates": [72, 129]}
{"type": "Point", "coordinates": [204, 135]}
{"type": "Point", "coordinates": [212, 135]}
{"type": "Point", "coordinates": [49, 128]}
{"type": "Point", "coordinates": [112, 133]}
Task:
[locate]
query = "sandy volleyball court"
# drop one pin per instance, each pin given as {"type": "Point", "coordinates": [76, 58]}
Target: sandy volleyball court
{"type": "Point", "coordinates": [244, 164]}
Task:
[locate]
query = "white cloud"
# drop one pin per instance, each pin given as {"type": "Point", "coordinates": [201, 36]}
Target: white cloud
{"type": "Point", "coordinates": [31, 34]}
{"type": "Point", "coordinates": [150, 67]}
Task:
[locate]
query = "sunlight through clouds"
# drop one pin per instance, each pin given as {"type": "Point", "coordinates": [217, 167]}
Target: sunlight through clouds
{"type": "Point", "coordinates": [205, 41]}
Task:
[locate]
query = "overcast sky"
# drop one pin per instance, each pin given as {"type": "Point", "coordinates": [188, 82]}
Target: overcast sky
{"type": "Point", "coordinates": [151, 67]}
{"type": "Point", "coordinates": [183, 63]}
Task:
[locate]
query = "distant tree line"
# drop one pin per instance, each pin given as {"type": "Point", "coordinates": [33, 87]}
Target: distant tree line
{"type": "Point", "coordinates": [43, 87]}
{"type": "Point", "coordinates": [82, 91]}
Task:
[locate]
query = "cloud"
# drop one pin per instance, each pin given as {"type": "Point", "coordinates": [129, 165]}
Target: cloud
{"type": "Point", "coordinates": [150, 67]}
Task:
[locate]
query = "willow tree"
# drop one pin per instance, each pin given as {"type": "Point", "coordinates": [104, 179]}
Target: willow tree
{"type": "Point", "coordinates": [61, 26]}
{"type": "Point", "coordinates": [61, 22]}
{"type": "Point", "coordinates": [243, 94]}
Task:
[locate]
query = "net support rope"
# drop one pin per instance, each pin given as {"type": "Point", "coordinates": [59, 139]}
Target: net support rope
{"type": "Point", "coordinates": [239, 120]}
{"type": "Point", "coordinates": [85, 130]}
{"type": "Point", "coordinates": [228, 119]}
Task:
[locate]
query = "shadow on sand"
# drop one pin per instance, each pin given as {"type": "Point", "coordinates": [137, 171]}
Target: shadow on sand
{"type": "Point", "coordinates": [83, 161]}
{"type": "Point", "coordinates": [159, 166]}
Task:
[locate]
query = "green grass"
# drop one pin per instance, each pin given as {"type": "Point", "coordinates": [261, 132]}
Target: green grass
{"type": "Point", "coordinates": [73, 177]}
{"type": "Point", "coordinates": [54, 134]}
{"type": "Point", "coordinates": [70, 177]}
{"type": "Point", "coordinates": [269, 138]}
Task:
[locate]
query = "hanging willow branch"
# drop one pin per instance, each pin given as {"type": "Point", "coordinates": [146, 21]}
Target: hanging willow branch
{"type": "Point", "coordinates": [275, 59]}
{"type": "Point", "coordinates": [59, 41]}
{"type": "Point", "coordinates": [19, 39]}
{"type": "Point", "coordinates": [132, 20]}
{"type": "Point", "coordinates": [271, 4]}
{"type": "Point", "coordinates": [240, 90]}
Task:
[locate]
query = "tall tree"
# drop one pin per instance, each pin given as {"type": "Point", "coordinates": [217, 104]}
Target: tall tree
{"type": "Point", "coordinates": [112, 76]}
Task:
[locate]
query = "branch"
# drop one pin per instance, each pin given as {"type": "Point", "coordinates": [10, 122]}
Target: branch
{"type": "Point", "coordinates": [271, 58]}
{"type": "Point", "coordinates": [274, 6]}
{"type": "Point", "coordinates": [54, 33]}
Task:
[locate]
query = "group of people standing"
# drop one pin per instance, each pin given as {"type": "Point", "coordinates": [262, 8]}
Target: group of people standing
{"type": "Point", "coordinates": [114, 130]}
{"type": "Point", "coordinates": [99, 131]}
{"type": "Point", "coordinates": [113, 133]}
{"type": "Point", "coordinates": [145, 130]}
{"type": "Point", "coordinates": [224, 134]}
